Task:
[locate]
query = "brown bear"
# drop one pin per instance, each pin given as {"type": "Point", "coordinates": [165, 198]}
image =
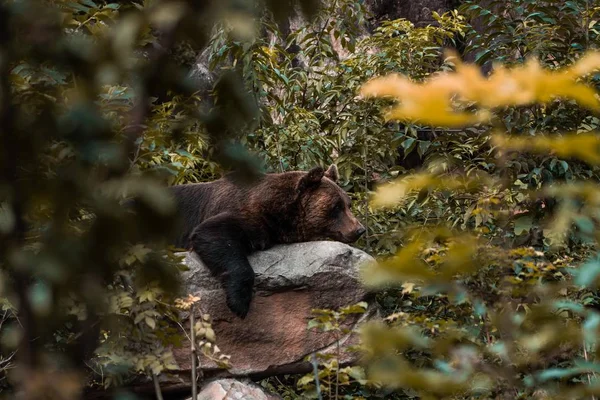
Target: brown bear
{"type": "Point", "coordinates": [223, 221]}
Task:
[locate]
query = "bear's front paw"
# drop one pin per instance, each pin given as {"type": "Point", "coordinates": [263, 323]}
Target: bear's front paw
{"type": "Point", "coordinates": [239, 298]}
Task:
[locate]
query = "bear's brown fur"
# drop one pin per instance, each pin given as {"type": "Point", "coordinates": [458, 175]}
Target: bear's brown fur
{"type": "Point", "coordinates": [223, 221]}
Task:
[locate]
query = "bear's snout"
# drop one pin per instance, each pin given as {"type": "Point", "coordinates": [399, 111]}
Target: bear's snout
{"type": "Point", "coordinates": [354, 234]}
{"type": "Point", "coordinates": [357, 233]}
{"type": "Point", "coordinates": [360, 231]}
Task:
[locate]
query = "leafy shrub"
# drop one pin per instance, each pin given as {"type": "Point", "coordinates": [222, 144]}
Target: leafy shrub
{"type": "Point", "coordinates": [529, 326]}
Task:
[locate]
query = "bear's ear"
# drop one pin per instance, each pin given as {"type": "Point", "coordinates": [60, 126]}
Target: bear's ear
{"type": "Point", "coordinates": [332, 173]}
{"type": "Point", "coordinates": [312, 177]}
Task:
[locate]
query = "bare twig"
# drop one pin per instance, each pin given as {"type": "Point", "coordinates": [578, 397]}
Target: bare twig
{"type": "Point", "coordinates": [136, 154]}
{"type": "Point", "coordinates": [586, 24]}
{"type": "Point", "coordinates": [366, 168]}
{"type": "Point", "coordinates": [337, 367]}
{"type": "Point", "coordinates": [7, 359]}
{"type": "Point", "coordinates": [5, 365]}
{"type": "Point", "coordinates": [3, 319]}
{"type": "Point", "coordinates": [99, 371]}
{"type": "Point", "coordinates": [157, 390]}
{"type": "Point", "coordinates": [585, 355]}
{"type": "Point", "coordinates": [278, 147]}
{"type": "Point", "coordinates": [182, 328]}
{"type": "Point", "coordinates": [315, 366]}
{"type": "Point", "coordinates": [194, 355]}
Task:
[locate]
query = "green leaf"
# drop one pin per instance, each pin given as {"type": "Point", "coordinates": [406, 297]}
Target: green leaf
{"type": "Point", "coordinates": [557, 373]}
{"type": "Point", "coordinates": [587, 273]}
{"type": "Point", "coordinates": [590, 331]}
{"type": "Point", "coordinates": [408, 145]}
{"type": "Point", "coordinates": [305, 380]}
{"type": "Point", "coordinates": [313, 323]}
{"type": "Point", "coordinates": [358, 308]}
{"type": "Point", "coordinates": [585, 224]}
{"type": "Point", "coordinates": [479, 308]}
{"type": "Point", "coordinates": [523, 224]}
{"type": "Point", "coordinates": [564, 165]}
{"type": "Point", "coordinates": [569, 305]}
{"type": "Point", "coordinates": [357, 373]}
{"type": "Point", "coordinates": [483, 56]}
{"type": "Point", "coordinates": [150, 322]}
{"type": "Point", "coordinates": [423, 147]}
{"type": "Point", "coordinates": [184, 153]}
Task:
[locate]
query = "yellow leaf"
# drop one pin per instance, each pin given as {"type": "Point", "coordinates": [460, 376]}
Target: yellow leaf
{"type": "Point", "coordinates": [585, 146]}
{"type": "Point", "coordinates": [392, 193]}
{"type": "Point", "coordinates": [392, 85]}
{"type": "Point", "coordinates": [460, 257]}
{"type": "Point", "coordinates": [210, 335]}
{"type": "Point", "coordinates": [407, 287]}
{"type": "Point", "coordinates": [405, 265]}
{"type": "Point", "coordinates": [395, 316]}
{"type": "Point", "coordinates": [587, 64]}
{"type": "Point", "coordinates": [435, 101]}
{"type": "Point", "coordinates": [305, 380]}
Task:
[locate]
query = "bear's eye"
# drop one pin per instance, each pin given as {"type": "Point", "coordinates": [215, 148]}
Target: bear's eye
{"type": "Point", "coordinates": [337, 208]}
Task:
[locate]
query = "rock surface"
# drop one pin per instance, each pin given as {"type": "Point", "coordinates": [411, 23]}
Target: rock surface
{"type": "Point", "coordinates": [231, 389]}
{"type": "Point", "coordinates": [291, 280]}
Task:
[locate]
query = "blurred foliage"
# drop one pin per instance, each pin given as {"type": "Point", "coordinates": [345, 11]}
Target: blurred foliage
{"type": "Point", "coordinates": [488, 237]}
{"type": "Point", "coordinates": [95, 108]}
{"type": "Point", "coordinates": [431, 102]}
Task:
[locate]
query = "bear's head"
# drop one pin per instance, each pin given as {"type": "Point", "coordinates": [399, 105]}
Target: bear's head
{"type": "Point", "coordinates": [325, 208]}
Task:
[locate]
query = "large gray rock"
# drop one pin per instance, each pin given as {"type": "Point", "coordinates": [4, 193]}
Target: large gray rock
{"type": "Point", "coordinates": [291, 281]}
{"type": "Point", "coordinates": [274, 338]}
